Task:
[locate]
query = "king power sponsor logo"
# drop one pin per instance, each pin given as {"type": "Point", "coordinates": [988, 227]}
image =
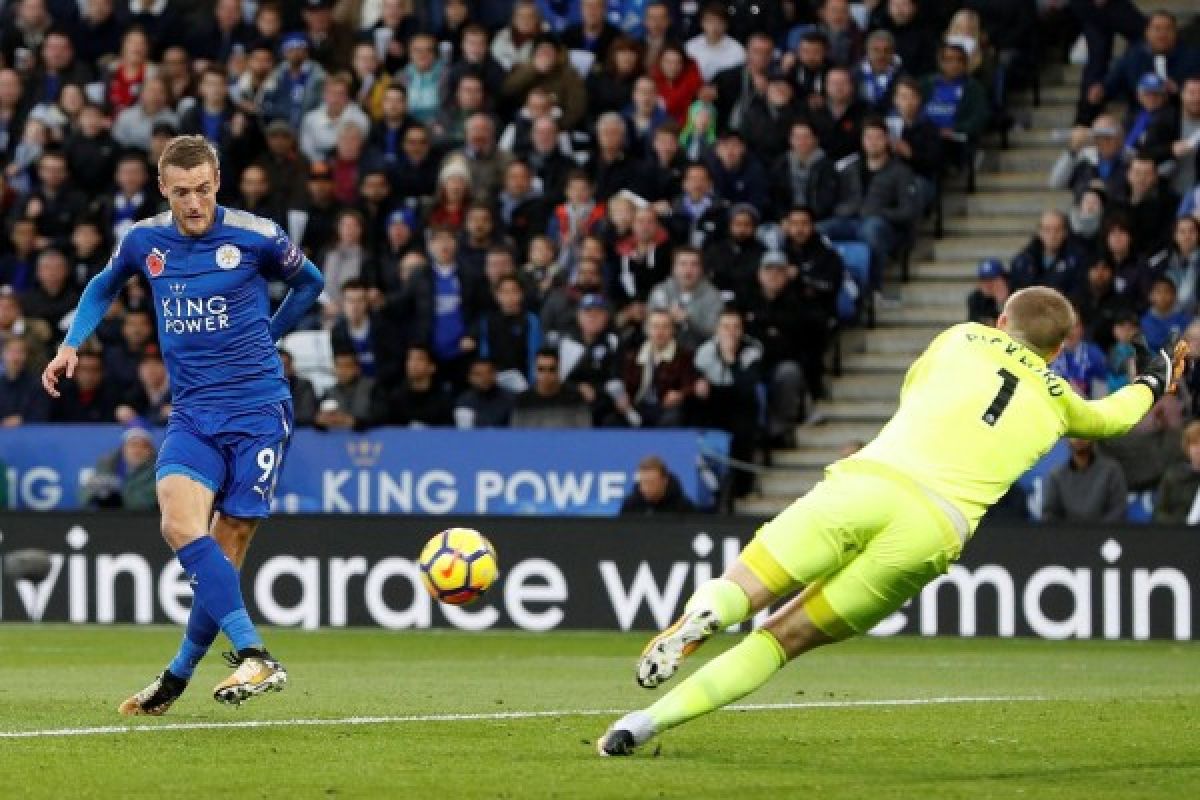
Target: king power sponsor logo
{"type": "Point", "coordinates": [589, 574]}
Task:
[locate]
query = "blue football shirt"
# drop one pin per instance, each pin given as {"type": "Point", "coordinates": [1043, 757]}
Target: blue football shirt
{"type": "Point", "coordinates": [211, 305]}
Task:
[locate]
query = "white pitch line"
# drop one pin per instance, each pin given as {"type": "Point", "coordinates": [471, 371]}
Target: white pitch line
{"type": "Point", "coordinates": [105, 730]}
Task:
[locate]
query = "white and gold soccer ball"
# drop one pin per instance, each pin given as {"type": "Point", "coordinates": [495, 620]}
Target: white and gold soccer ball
{"type": "Point", "coordinates": [458, 565]}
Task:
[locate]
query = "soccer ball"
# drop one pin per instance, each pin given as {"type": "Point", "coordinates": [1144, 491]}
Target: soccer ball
{"type": "Point", "coordinates": [458, 565]}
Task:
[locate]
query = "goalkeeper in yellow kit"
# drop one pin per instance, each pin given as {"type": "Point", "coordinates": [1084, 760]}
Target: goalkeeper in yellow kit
{"type": "Point", "coordinates": [977, 409]}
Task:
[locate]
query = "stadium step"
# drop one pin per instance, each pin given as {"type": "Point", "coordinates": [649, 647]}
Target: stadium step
{"type": "Point", "coordinates": [973, 248]}
{"type": "Point", "coordinates": [921, 316]}
{"type": "Point", "coordinates": [880, 388]}
{"type": "Point", "coordinates": [866, 363]}
{"type": "Point", "coordinates": [872, 411]}
{"type": "Point", "coordinates": [908, 339]}
{"type": "Point", "coordinates": [950, 293]}
{"type": "Point", "coordinates": [831, 435]}
{"type": "Point", "coordinates": [1013, 224]}
{"type": "Point", "coordinates": [1025, 180]}
{"type": "Point", "coordinates": [1023, 160]}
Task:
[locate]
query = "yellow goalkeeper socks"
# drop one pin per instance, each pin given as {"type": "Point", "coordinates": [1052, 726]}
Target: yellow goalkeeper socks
{"type": "Point", "coordinates": [723, 597]}
{"type": "Point", "coordinates": [728, 677]}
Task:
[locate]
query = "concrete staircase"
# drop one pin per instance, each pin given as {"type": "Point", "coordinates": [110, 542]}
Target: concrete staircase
{"type": "Point", "coordinates": [996, 221]}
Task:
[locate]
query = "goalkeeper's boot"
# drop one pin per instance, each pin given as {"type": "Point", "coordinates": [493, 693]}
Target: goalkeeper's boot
{"type": "Point", "coordinates": [626, 735]}
{"type": "Point", "coordinates": [661, 657]}
{"type": "Point", "coordinates": [156, 699]}
{"type": "Point", "coordinates": [255, 673]}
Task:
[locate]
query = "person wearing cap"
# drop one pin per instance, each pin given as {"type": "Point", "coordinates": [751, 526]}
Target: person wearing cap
{"type": "Point", "coordinates": [733, 258]}
{"type": "Point", "coordinates": [770, 317]}
{"type": "Point", "coordinates": [321, 208]}
{"type": "Point", "coordinates": [1104, 158]}
{"type": "Point", "coordinates": [331, 43]}
{"type": "Point", "coordinates": [296, 86]}
{"type": "Point", "coordinates": [713, 49]}
{"type": "Point", "coordinates": [1052, 257]}
{"type": "Point", "coordinates": [591, 360]}
{"type": "Point", "coordinates": [124, 478]}
{"type": "Point", "coordinates": [988, 298]}
{"type": "Point", "coordinates": [286, 167]}
{"type": "Point", "coordinates": [1153, 124]}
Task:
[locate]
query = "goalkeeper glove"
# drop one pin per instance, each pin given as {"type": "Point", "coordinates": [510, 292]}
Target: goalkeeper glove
{"type": "Point", "coordinates": [1155, 369]}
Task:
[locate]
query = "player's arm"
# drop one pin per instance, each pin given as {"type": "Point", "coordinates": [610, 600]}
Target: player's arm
{"type": "Point", "coordinates": [1117, 413]}
{"type": "Point", "coordinates": [94, 303]}
{"type": "Point", "coordinates": [282, 260]}
{"type": "Point", "coordinates": [304, 287]}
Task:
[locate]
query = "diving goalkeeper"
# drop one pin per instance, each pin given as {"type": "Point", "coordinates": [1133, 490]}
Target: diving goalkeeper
{"type": "Point", "coordinates": [977, 409]}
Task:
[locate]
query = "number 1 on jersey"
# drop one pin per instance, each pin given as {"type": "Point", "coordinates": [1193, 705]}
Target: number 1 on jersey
{"type": "Point", "coordinates": [1008, 385]}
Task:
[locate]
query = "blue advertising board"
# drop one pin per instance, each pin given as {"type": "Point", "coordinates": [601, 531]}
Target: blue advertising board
{"type": "Point", "coordinates": [398, 470]}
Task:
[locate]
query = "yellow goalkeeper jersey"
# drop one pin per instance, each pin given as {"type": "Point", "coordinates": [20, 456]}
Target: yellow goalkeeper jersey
{"type": "Point", "coordinates": [978, 409]}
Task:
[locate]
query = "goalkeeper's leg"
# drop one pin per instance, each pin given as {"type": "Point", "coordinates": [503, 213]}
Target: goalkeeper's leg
{"type": "Point", "coordinates": [811, 539]}
{"type": "Point", "coordinates": [730, 676]}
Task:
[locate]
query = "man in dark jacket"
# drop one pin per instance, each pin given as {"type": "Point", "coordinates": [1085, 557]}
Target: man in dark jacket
{"type": "Point", "coordinates": [22, 399]}
{"type": "Point", "coordinates": [446, 299]}
{"type": "Point", "coordinates": [771, 319]}
{"type": "Point", "coordinates": [1161, 42]}
{"type": "Point", "coordinates": [370, 336]}
{"type": "Point", "coordinates": [1050, 258]}
{"type": "Point", "coordinates": [732, 261]}
{"type": "Point", "coordinates": [817, 281]}
{"type": "Point", "coordinates": [877, 199]}
{"type": "Point", "coordinates": [916, 42]}
{"type": "Point", "coordinates": [655, 491]}
{"type": "Point", "coordinates": [804, 176]}
{"type": "Point", "coordinates": [737, 174]}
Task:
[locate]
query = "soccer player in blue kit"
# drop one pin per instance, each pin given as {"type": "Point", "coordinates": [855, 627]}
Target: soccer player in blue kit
{"type": "Point", "coordinates": [231, 416]}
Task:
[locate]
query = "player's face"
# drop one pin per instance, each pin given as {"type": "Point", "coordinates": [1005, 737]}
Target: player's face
{"type": "Point", "coordinates": [192, 196]}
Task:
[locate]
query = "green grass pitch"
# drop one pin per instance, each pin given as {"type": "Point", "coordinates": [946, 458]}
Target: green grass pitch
{"type": "Point", "coordinates": [1065, 719]}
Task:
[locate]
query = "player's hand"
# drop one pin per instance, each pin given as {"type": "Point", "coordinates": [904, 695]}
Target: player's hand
{"type": "Point", "coordinates": [66, 359]}
{"type": "Point", "coordinates": [1155, 369]}
{"type": "Point", "coordinates": [1179, 358]}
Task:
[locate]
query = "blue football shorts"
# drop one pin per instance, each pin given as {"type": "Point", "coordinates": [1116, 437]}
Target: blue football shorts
{"type": "Point", "coordinates": [237, 455]}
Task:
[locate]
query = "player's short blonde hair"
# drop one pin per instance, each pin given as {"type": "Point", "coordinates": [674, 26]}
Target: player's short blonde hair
{"type": "Point", "coordinates": [1040, 318]}
{"type": "Point", "coordinates": [188, 152]}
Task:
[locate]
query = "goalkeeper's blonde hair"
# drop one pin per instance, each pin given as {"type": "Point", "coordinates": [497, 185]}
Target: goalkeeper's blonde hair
{"type": "Point", "coordinates": [1039, 318]}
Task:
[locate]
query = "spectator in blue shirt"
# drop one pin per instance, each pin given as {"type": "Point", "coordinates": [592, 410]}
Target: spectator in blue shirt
{"type": "Point", "coordinates": [1161, 323]}
{"type": "Point", "coordinates": [1081, 363]}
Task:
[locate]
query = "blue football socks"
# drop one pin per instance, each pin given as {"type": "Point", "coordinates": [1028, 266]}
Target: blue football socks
{"type": "Point", "coordinates": [201, 632]}
{"type": "Point", "coordinates": [218, 591]}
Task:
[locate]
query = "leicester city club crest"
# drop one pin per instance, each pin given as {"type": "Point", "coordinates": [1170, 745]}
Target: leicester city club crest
{"type": "Point", "coordinates": [228, 256]}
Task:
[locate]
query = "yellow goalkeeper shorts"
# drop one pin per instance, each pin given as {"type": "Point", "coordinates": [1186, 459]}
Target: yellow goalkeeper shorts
{"type": "Point", "coordinates": [868, 534]}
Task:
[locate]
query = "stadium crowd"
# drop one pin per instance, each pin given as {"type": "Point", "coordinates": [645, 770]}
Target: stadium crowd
{"type": "Point", "coordinates": [571, 212]}
{"type": "Point", "coordinates": [1124, 245]}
